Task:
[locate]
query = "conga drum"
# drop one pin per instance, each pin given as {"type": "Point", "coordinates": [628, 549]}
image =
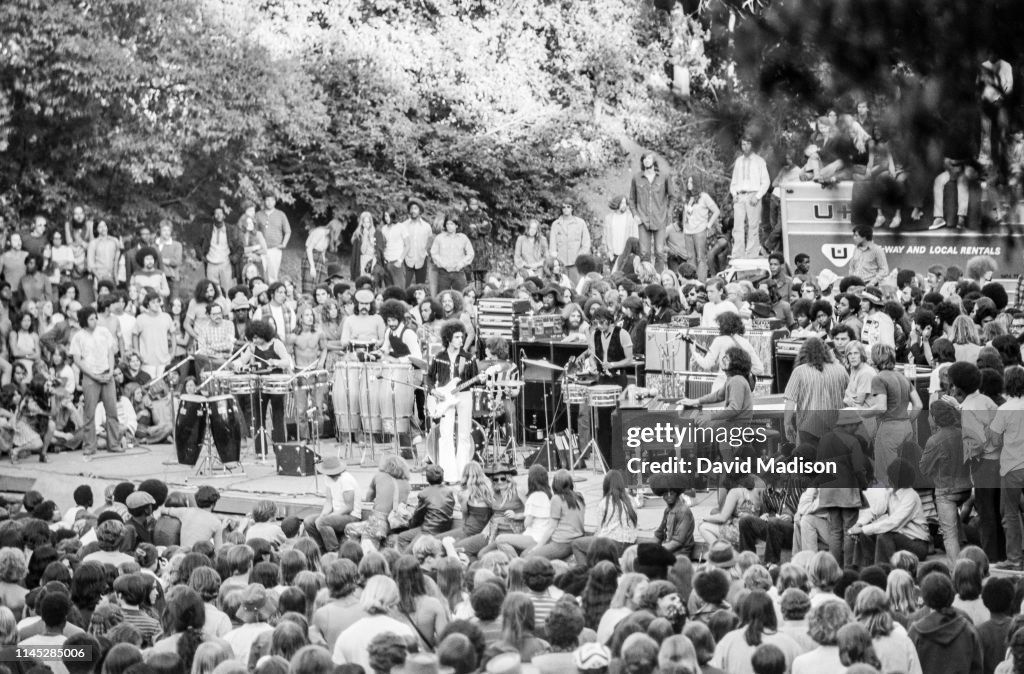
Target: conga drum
{"type": "Point", "coordinates": [189, 428]}
{"type": "Point", "coordinates": [348, 376]}
{"type": "Point", "coordinates": [225, 427]}
{"type": "Point", "coordinates": [394, 398]}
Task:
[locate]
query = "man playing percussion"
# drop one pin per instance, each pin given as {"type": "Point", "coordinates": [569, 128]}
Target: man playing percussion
{"type": "Point", "coordinates": [309, 349]}
{"type": "Point", "coordinates": [400, 343]}
{"type": "Point", "coordinates": [610, 349]}
{"type": "Point", "coordinates": [455, 428]}
{"type": "Point", "coordinates": [268, 355]}
{"type": "Point", "coordinates": [215, 340]}
{"type": "Point", "coordinates": [364, 326]}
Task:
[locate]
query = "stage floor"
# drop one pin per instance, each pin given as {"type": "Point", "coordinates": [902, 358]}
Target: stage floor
{"type": "Point", "coordinates": [241, 489]}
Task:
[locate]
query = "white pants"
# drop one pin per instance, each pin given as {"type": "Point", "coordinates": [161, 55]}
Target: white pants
{"type": "Point", "coordinates": [455, 440]}
{"type": "Point", "coordinates": [746, 228]}
{"type": "Point", "coordinates": [273, 265]}
{"type": "Point", "coordinates": [962, 196]}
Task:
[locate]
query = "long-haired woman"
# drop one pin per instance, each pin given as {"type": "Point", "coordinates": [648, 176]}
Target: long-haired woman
{"type": "Point", "coordinates": [598, 592]}
{"type": "Point", "coordinates": [893, 647]}
{"type": "Point", "coordinates": [475, 499]}
{"type": "Point", "coordinates": [758, 625]}
{"type": "Point", "coordinates": [506, 505]}
{"type": "Point", "coordinates": [517, 620]}
{"type": "Point", "coordinates": [700, 213]}
{"type": "Point", "coordinates": [379, 600]}
{"type": "Point", "coordinates": [389, 487]}
{"type": "Point", "coordinates": [536, 515]}
{"type": "Point", "coordinates": [626, 600]}
{"type": "Point", "coordinates": [423, 611]}
{"type": "Point", "coordinates": [966, 341]}
{"type": "Point", "coordinates": [183, 621]}
{"type": "Point", "coordinates": [566, 519]}
{"type": "Point", "coordinates": [365, 238]}
{"type": "Point", "coordinates": [891, 396]}
{"type": "Point", "coordinates": [618, 517]}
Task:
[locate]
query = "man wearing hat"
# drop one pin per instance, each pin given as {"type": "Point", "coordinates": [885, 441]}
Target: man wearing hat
{"type": "Point", "coordinates": [675, 533]}
{"type": "Point", "coordinates": [220, 248]}
{"type": "Point", "coordinates": [868, 260]}
{"type": "Point", "coordinates": [240, 315]}
{"type": "Point", "coordinates": [569, 238]}
{"type": "Point", "coordinates": [147, 275]}
{"type": "Point", "coordinates": [339, 509]}
{"type": "Point", "coordinates": [365, 325]}
{"type": "Point", "coordinates": [878, 325]}
{"type": "Point", "coordinates": [139, 528]}
{"type": "Point", "coordinates": [551, 300]}
{"type": "Point", "coordinates": [258, 607]}
{"type": "Point", "coordinates": [418, 237]}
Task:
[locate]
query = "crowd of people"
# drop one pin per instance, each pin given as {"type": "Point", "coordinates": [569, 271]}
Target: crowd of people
{"type": "Point", "coordinates": [787, 574]}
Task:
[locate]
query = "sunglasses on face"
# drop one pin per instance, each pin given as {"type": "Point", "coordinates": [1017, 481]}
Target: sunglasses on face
{"type": "Point", "coordinates": [498, 479]}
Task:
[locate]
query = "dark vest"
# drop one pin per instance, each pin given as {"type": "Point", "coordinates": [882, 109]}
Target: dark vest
{"type": "Point", "coordinates": [398, 347]}
{"type": "Point", "coordinates": [615, 353]}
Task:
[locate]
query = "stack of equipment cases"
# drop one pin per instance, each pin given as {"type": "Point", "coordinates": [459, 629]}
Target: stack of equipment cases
{"type": "Point", "coordinates": [498, 316]}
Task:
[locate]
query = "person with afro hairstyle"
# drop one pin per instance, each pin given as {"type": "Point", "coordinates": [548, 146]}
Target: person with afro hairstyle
{"type": "Point", "coordinates": [997, 595]}
{"type": "Point", "coordinates": [454, 450]}
{"type": "Point", "coordinates": [710, 588]}
{"type": "Point", "coordinates": [400, 342]}
{"type": "Point", "coordinates": [265, 350]}
{"type": "Point", "coordinates": [945, 639]}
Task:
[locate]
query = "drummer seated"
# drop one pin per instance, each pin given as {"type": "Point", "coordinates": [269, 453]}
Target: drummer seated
{"type": "Point", "coordinates": [435, 507]}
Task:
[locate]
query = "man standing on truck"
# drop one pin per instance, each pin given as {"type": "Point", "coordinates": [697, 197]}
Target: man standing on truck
{"type": "Point", "coordinates": [868, 260]}
{"type": "Point", "coordinates": [750, 182]}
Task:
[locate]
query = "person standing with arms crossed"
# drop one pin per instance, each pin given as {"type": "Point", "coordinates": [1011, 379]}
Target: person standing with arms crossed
{"type": "Point", "coordinates": [276, 231]}
{"type": "Point", "coordinates": [750, 182]}
{"type": "Point", "coordinates": [650, 198]}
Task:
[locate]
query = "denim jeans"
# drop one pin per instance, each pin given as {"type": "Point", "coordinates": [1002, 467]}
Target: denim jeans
{"type": "Point", "coordinates": [947, 506]}
{"type": "Point", "coordinates": [1013, 485]}
{"type": "Point", "coordinates": [94, 393]}
{"type": "Point", "coordinates": [879, 548]}
{"type": "Point", "coordinates": [654, 246]}
{"type": "Point", "coordinates": [814, 528]}
{"type": "Point", "coordinates": [325, 529]}
{"type": "Point", "coordinates": [985, 474]}
{"type": "Point", "coordinates": [841, 544]}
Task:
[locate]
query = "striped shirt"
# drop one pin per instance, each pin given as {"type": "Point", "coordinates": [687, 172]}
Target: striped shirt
{"type": "Point", "coordinates": [147, 625]}
{"type": "Point", "coordinates": [543, 602]}
{"type": "Point", "coordinates": [817, 396]}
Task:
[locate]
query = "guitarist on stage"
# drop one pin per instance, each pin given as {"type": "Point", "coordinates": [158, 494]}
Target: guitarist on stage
{"type": "Point", "coordinates": [455, 428]}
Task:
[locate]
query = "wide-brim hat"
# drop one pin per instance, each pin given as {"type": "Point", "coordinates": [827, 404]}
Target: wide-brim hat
{"type": "Point", "coordinates": [364, 296]}
{"type": "Point", "coordinates": [552, 289]}
{"type": "Point", "coordinates": [240, 303]}
{"type": "Point", "coordinates": [761, 310]}
{"type": "Point", "coordinates": [827, 278]}
{"type": "Point", "coordinates": [331, 465]}
{"type": "Point", "coordinates": [257, 602]}
{"type": "Point", "coordinates": [873, 296]}
{"type": "Point", "coordinates": [143, 252]}
{"type": "Point", "coordinates": [411, 202]}
{"type": "Point", "coordinates": [722, 555]}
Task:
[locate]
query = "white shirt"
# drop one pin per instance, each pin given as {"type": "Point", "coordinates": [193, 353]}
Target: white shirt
{"type": "Point", "coordinates": [352, 644]}
{"type": "Point", "coordinates": [125, 415]}
{"type": "Point", "coordinates": [618, 227]}
{"type": "Point", "coordinates": [538, 505]}
{"type": "Point", "coordinates": [94, 348]}
{"type": "Point", "coordinates": [219, 251]}
{"type": "Point", "coordinates": [345, 483]}
{"type": "Point", "coordinates": [394, 242]}
{"type": "Point", "coordinates": [711, 312]}
{"type": "Point", "coordinates": [750, 174]}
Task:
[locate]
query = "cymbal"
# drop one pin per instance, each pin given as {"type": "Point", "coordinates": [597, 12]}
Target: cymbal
{"type": "Point", "coordinates": [505, 383]}
{"type": "Point", "coordinates": [542, 363]}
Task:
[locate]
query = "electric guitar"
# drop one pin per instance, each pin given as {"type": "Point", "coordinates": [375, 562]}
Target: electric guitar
{"type": "Point", "coordinates": [444, 398]}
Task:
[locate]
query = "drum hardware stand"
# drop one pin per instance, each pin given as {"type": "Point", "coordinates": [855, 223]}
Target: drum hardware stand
{"type": "Point", "coordinates": [366, 391]}
{"type": "Point", "coordinates": [309, 397]}
{"type": "Point", "coordinates": [206, 468]}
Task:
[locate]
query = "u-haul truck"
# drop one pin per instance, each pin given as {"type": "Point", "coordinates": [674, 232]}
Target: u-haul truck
{"type": "Point", "coordinates": [816, 221]}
